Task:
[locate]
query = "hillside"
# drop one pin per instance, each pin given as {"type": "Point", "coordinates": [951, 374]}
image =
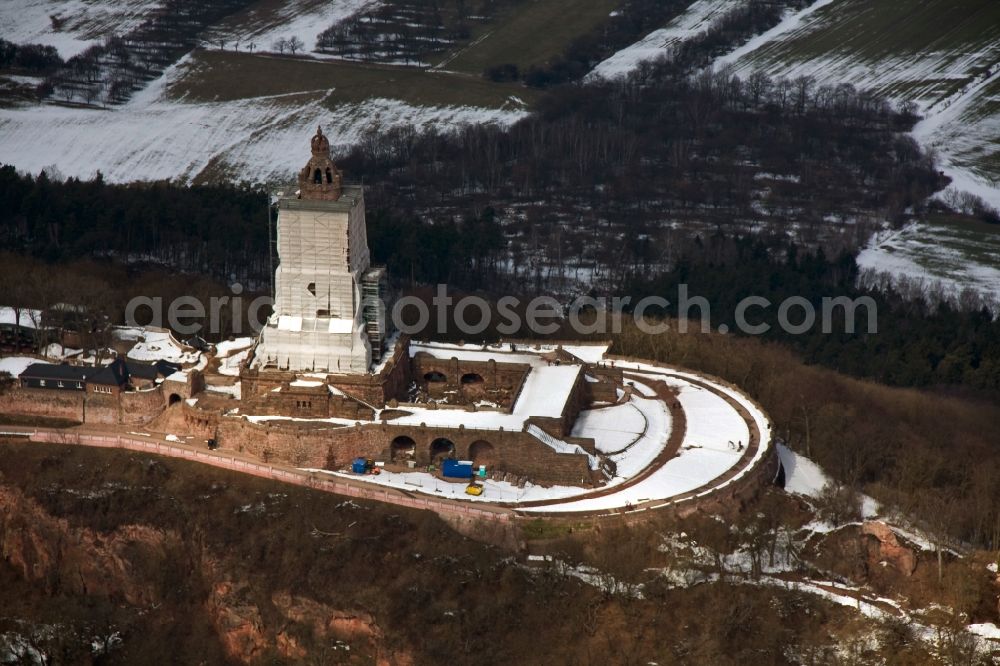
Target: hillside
{"type": "Point", "coordinates": [942, 57]}
{"type": "Point", "coordinates": [121, 557]}
{"type": "Point", "coordinates": [228, 108]}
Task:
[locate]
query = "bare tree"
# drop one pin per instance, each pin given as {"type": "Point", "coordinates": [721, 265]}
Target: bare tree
{"type": "Point", "coordinates": [295, 44]}
{"type": "Point", "coordinates": [280, 44]}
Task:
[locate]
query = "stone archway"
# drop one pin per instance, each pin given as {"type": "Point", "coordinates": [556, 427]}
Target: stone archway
{"type": "Point", "coordinates": [442, 448]}
{"type": "Point", "coordinates": [473, 386]}
{"type": "Point", "coordinates": [173, 399]}
{"type": "Point", "coordinates": [482, 452]}
{"type": "Point", "coordinates": [435, 377]}
{"type": "Point", "coordinates": [402, 448]}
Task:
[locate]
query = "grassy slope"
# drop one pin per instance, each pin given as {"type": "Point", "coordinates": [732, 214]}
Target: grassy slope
{"type": "Point", "coordinates": [530, 34]}
{"type": "Point", "coordinates": [922, 50]}
{"type": "Point", "coordinates": [874, 33]}
{"type": "Point", "coordinates": [223, 76]}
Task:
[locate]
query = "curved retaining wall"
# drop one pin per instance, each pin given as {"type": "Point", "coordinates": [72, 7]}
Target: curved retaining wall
{"type": "Point", "coordinates": [730, 495]}
{"type": "Point", "coordinates": [270, 471]}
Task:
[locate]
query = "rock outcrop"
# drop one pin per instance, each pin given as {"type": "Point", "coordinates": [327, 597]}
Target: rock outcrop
{"type": "Point", "coordinates": [890, 550]}
{"type": "Point", "coordinates": [122, 563]}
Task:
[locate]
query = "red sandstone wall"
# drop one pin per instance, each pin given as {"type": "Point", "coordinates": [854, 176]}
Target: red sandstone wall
{"type": "Point", "coordinates": [501, 381]}
{"type": "Point", "coordinates": [128, 407]}
{"type": "Point", "coordinates": [43, 402]}
{"type": "Point", "coordinates": [141, 407]}
{"type": "Point", "coordinates": [306, 445]}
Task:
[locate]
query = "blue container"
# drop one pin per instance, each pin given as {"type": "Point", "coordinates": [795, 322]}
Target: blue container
{"type": "Point", "coordinates": [455, 469]}
{"type": "Point", "coordinates": [359, 466]}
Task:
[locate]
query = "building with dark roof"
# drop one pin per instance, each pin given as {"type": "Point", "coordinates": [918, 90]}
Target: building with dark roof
{"type": "Point", "coordinates": [117, 376]}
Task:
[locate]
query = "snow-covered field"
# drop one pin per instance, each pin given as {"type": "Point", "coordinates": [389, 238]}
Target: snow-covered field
{"type": "Point", "coordinates": [942, 56]}
{"type": "Point", "coordinates": [82, 22]}
{"type": "Point", "coordinates": [304, 19]}
{"type": "Point", "coordinates": [944, 258]}
{"type": "Point", "coordinates": [155, 137]}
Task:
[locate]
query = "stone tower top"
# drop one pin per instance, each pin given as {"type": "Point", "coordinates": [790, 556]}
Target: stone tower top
{"type": "Point", "coordinates": [320, 179]}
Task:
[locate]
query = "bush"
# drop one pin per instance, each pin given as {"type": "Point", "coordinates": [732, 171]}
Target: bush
{"type": "Point", "coordinates": [839, 504]}
{"type": "Point", "coordinates": [500, 73]}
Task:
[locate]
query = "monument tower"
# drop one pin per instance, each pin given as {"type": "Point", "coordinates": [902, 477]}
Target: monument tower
{"type": "Point", "coordinates": [321, 321]}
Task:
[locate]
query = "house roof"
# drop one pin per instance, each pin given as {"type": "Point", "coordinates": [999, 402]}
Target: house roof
{"type": "Point", "coordinates": [142, 370]}
{"type": "Point", "coordinates": [62, 371]}
{"type": "Point", "coordinates": [115, 374]}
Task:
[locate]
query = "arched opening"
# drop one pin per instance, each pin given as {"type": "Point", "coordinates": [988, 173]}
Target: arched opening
{"type": "Point", "coordinates": [318, 176]}
{"type": "Point", "coordinates": [173, 399]}
{"type": "Point", "coordinates": [472, 378]}
{"type": "Point", "coordinates": [442, 448]}
{"type": "Point", "coordinates": [402, 448]}
{"type": "Point", "coordinates": [329, 176]}
{"type": "Point", "coordinates": [482, 453]}
{"type": "Point", "coordinates": [435, 378]}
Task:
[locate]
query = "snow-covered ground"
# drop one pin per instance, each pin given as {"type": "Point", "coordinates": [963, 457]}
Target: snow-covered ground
{"type": "Point", "coordinates": [82, 22]}
{"type": "Point", "coordinates": [950, 258]}
{"type": "Point", "coordinates": [791, 22]}
{"type": "Point", "coordinates": [15, 365]}
{"type": "Point", "coordinates": [806, 478]}
{"type": "Point", "coordinates": [647, 445]}
{"type": "Point", "coordinates": [705, 453]}
{"type": "Point", "coordinates": [155, 137]}
{"type": "Point", "coordinates": [231, 353]}
{"type": "Point", "coordinates": [546, 390]}
{"type": "Point", "coordinates": [613, 428]}
{"type": "Point", "coordinates": [23, 317]}
{"type": "Point", "coordinates": [161, 346]}
{"type": "Point", "coordinates": [697, 18]}
{"type": "Point", "coordinates": [493, 491]}
{"type": "Point", "coordinates": [802, 476]}
{"type": "Point", "coordinates": [227, 347]}
{"type": "Point", "coordinates": [304, 19]}
{"type": "Point", "coordinates": [947, 68]}
{"type": "Point", "coordinates": [634, 433]}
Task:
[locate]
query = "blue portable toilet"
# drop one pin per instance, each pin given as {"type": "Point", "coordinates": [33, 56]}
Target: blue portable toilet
{"type": "Point", "coordinates": [457, 469]}
{"type": "Point", "coordinates": [359, 466]}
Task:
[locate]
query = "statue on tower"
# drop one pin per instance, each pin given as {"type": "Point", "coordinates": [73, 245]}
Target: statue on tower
{"type": "Point", "coordinates": [320, 179]}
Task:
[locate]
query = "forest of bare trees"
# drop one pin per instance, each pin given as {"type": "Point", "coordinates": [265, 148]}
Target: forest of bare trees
{"type": "Point", "coordinates": [610, 179]}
